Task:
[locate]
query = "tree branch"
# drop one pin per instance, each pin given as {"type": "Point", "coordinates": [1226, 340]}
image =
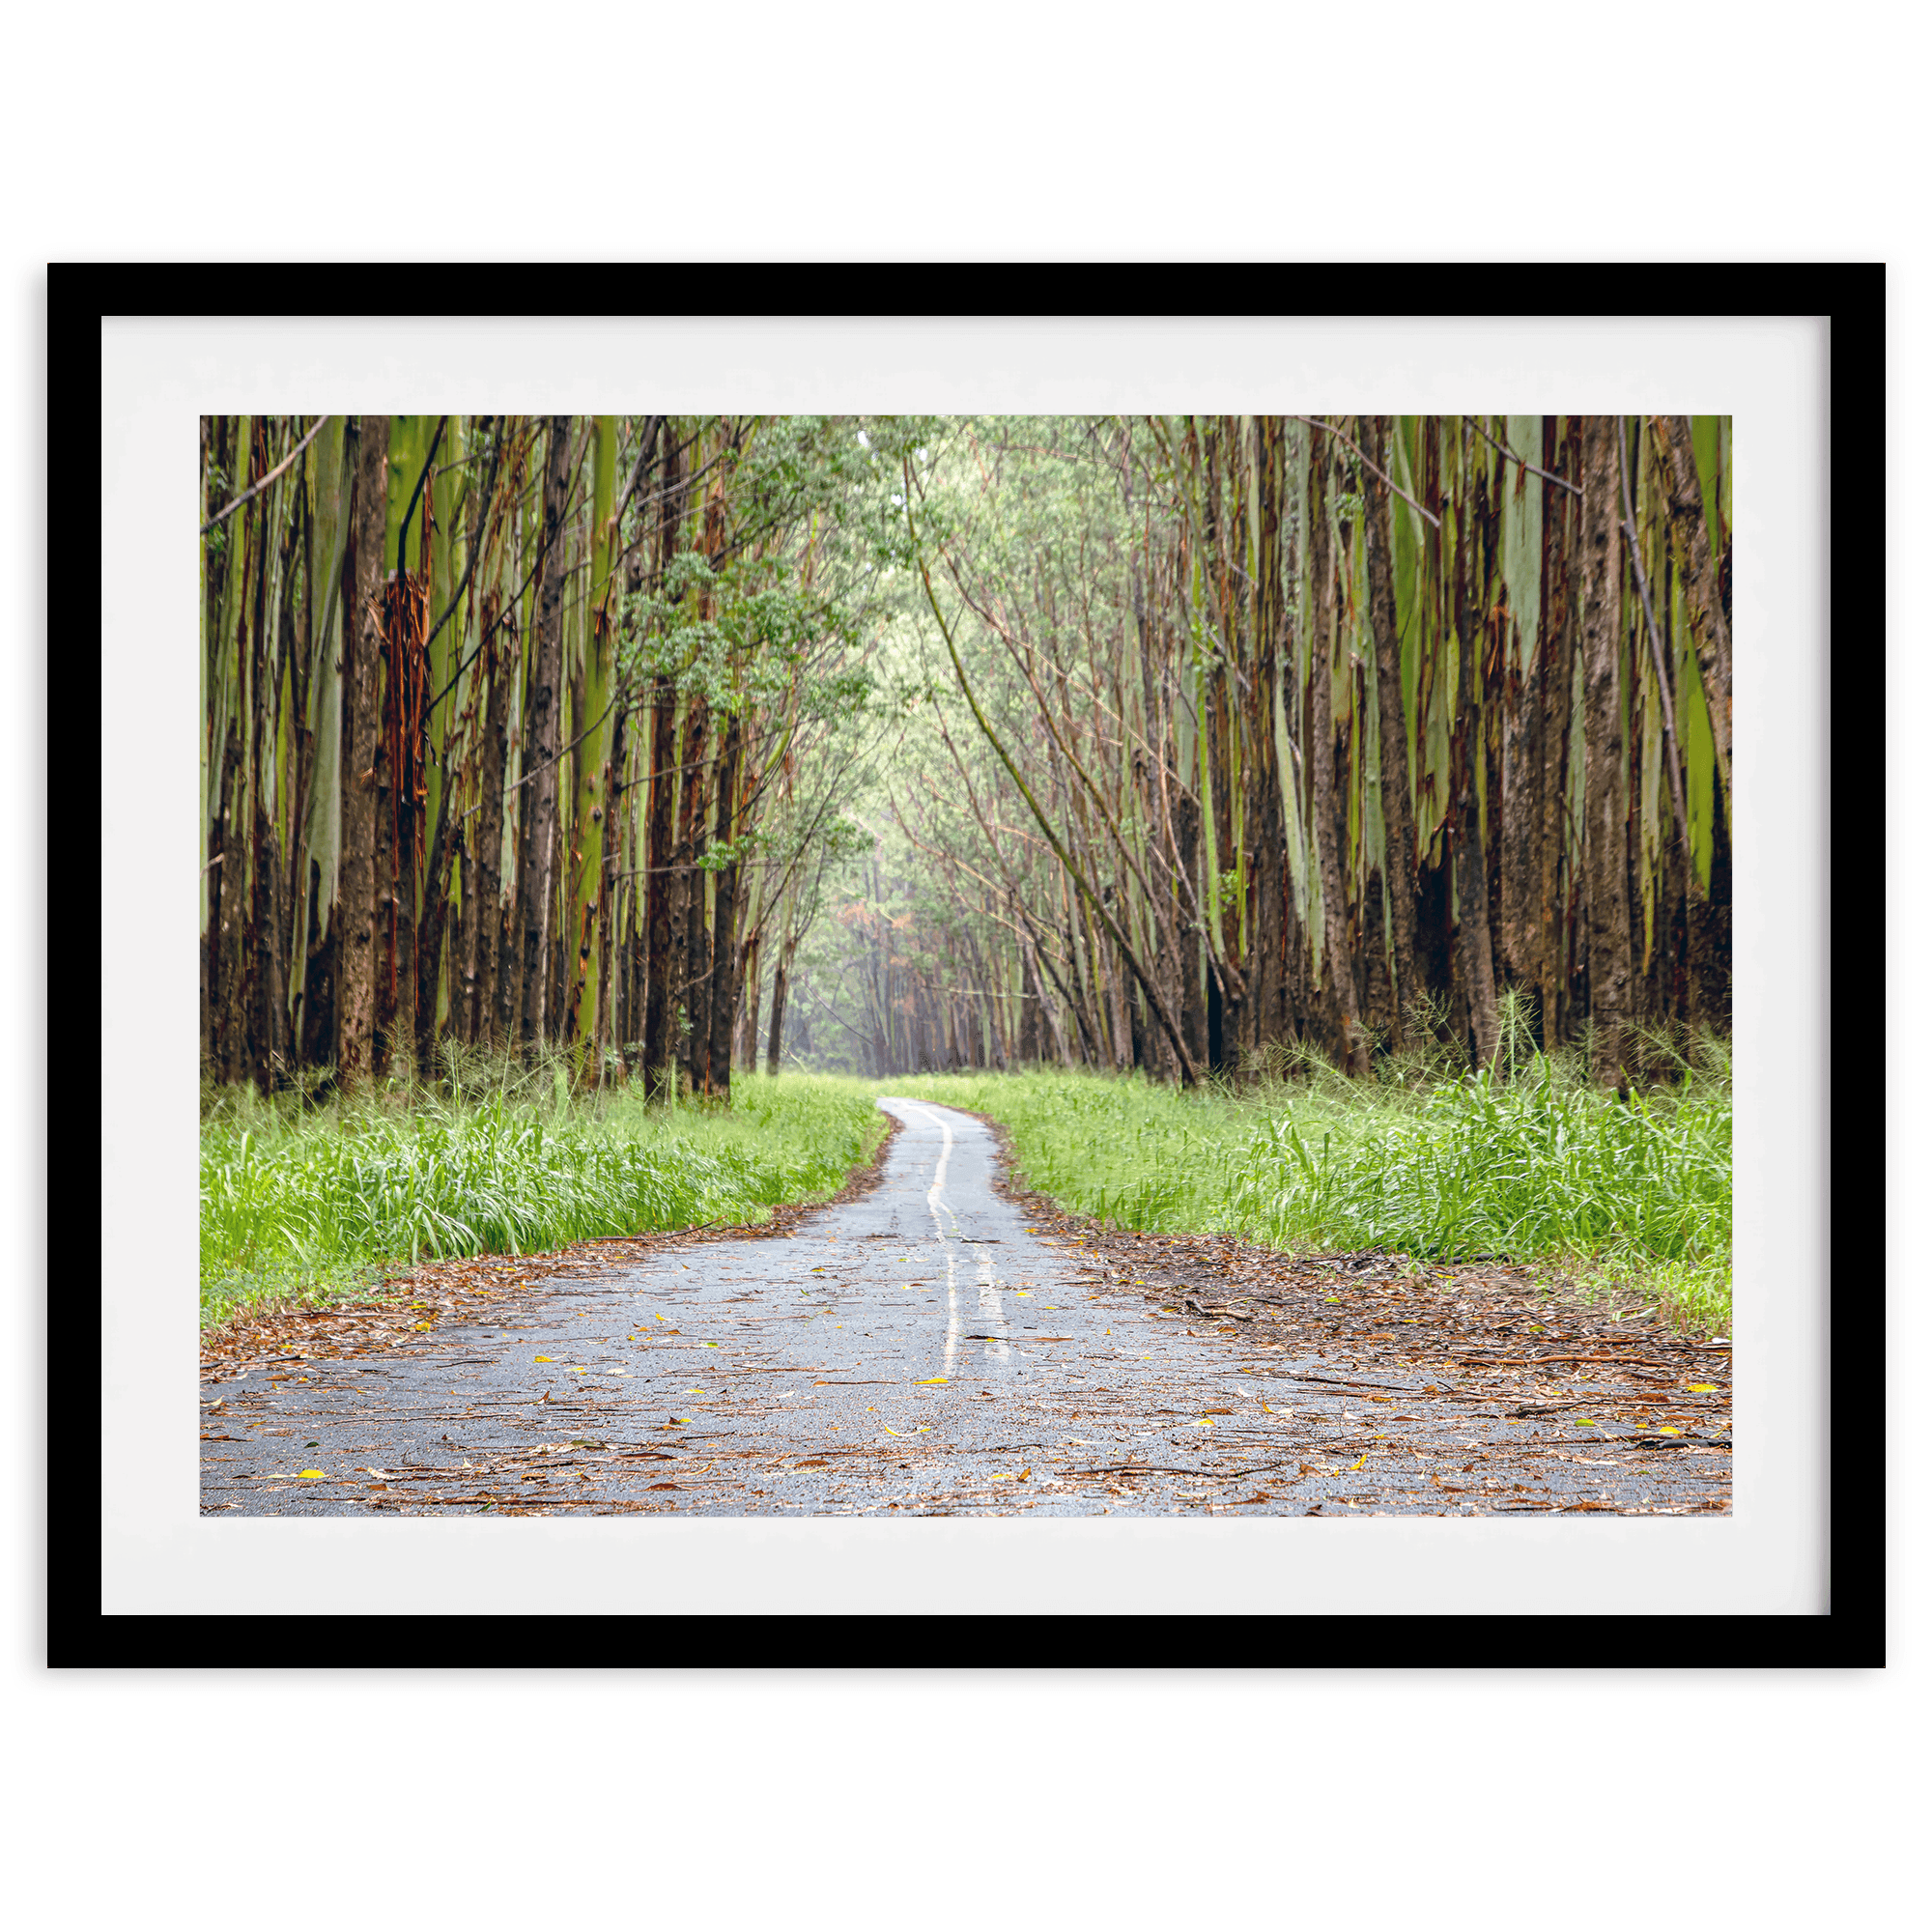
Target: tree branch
{"type": "Point", "coordinates": [1547, 476]}
{"type": "Point", "coordinates": [255, 490]}
{"type": "Point", "coordinates": [1315, 422]}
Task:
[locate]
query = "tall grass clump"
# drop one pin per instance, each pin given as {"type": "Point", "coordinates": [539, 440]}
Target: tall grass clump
{"type": "Point", "coordinates": [1526, 1161]}
{"type": "Point", "coordinates": [304, 1202]}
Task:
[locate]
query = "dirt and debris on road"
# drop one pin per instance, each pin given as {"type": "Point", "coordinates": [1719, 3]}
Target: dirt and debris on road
{"type": "Point", "coordinates": [891, 1352]}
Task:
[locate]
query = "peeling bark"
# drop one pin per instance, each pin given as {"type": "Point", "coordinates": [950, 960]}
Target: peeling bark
{"type": "Point", "coordinates": [1337, 955]}
{"type": "Point", "coordinates": [362, 642]}
{"type": "Point", "coordinates": [537, 883]}
{"type": "Point", "coordinates": [1398, 821]}
{"type": "Point", "coordinates": [1709, 628]}
{"type": "Point", "coordinates": [1606, 809]}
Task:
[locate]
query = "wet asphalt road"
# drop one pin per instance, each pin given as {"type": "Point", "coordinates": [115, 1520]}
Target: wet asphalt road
{"type": "Point", "coordinates": [918, 1349]}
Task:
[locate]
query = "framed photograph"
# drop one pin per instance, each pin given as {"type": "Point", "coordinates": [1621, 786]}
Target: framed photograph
{"type": "Point", "coordinates": [1093, 1366]}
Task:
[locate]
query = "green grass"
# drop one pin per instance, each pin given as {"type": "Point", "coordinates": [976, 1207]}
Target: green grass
{"type": "Point", "coordinates": [1537, 1166]}
{"type": "Point", "coordinates": [307, 1204]}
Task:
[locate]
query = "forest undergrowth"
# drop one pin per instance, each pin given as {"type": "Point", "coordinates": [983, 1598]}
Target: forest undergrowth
{"type": "Point", "coordinates": [303, 1203]}
{"type": "Point", "coordinates": [1526, 1161]}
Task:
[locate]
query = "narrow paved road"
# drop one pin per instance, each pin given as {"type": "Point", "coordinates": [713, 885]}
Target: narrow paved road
{"type": "Point", "coordinates": [922, 1349]}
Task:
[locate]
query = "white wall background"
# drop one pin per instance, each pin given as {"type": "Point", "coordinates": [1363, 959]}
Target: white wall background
{"type": "Point", "coordinates": [797, 134]}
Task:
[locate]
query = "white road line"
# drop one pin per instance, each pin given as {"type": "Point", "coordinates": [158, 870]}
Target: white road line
{"type": "Point", "coordinates": [951, 1315]}
{"type": "Point", "coordinates": [935, 1199]}
{"type": "Point", "coordinates": [990, 1308]}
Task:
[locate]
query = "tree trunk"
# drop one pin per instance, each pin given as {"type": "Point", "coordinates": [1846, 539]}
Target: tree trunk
{"type": "Point", "coordinates": [1337, 963]}
{"type": "Point", "coordinates": [1191, 937]}
{"type": "Point", "coordinates": [486, 920]}
{"type": "Point", "coordinates": [691, 1033]}
{"type": "Point", "coordinates": [536, 883]}
{"type": "Point", "coordinates": [362, 646]}
{"type": "Point", "coordinates": [1475, 955]}
{"type": "Point", "coordinates": [430, 933]}
{"type": "Point", "coordinates": [593, 757]}
{"type": "Point", "coordinates": [658, 894]}
{"type": "Point", "coordinates": [1398, 819]}
{"type": "Point", "coordinates": [781, 986]}
{"type": "Point", "coordinates": [1710, 629]}
{"type": "Point", "coordinates": [606, 1036]}
{"type": "Point", "coordinates": [726, 962]}
{"type": "Point", "coordinates": [1605, 812]}
{"type": "Point", "coordinates": [272, 647]}
{"type": "Point", "coordinates": [747, 1054]}
{"type": "Point", "coordinates": [1557, 674]}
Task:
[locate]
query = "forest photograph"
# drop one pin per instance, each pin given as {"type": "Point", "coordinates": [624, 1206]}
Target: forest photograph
{"type": "Point", "coordinates": [714, 927]}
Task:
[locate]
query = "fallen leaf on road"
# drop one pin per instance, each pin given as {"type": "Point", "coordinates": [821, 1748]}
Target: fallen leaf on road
{"type": "Point", "coordinates": [1701, 1388]}
{"type": "Point", "coordinates": [546, 1358]}
{"type": "Point", "coordinates": [926, 1381]}
{"type": "Point", "coordinates": [1355, 1466]}
{"type": "Point", "coordinates": [311, 1474]}
{"type": "Point", "coordinates": [711, 1345]}
{"type": "Point", "coordinates": [1665, 1429]}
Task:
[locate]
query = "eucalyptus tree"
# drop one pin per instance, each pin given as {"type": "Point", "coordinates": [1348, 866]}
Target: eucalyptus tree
{"type": "Point", "coordinates": [1180, 743]}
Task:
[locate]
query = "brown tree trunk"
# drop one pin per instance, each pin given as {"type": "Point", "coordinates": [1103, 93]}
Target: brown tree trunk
{"type": "Point", "coordinates": [1475, 956]}
{"type": "Point", "coordinates": [362, 747]}
{"type": "Point", "coordinates": [1606, 812]}
{"type": "Point", "coordinates": [557, 976]}
{"type": "Point", "coordinates": [430, 933]}
{"type": "Point", "coordinates": [1191, 938]}
{"type": "Point", "coordinates": [536, 880]}
{"type": "Point", "coordinates": [610, 898]}
{"type": "Point", "coordinates": [780, 984]}
{"type": "Point", "coordinates": [1515, 804]}
{"type": "Point", "coordinates": [658, 893]}
{"type": "Point", "coordinates": [727, 961]}
{"type": "Point", "coordinates": [1399, 873]}
{"type": "Point", "coordinates": [267, 922]}
{"type": "Point", "coordinates": [692, 1034]}
{"type": "Point", "coordinates": [747, 1054]}
{"type": "Point", "coordinates": [1557, 672]}
{"type": "Point", "coordinates": [487, 919]}
{"type": "Point", "coordinates": [1337, 963]}
{"type": "Point", "coordinates": [1029, 1024]}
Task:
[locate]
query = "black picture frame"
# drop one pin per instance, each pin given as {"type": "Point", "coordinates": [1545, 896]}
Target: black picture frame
{"type": "Point", "coordinates": [1851, 297]}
